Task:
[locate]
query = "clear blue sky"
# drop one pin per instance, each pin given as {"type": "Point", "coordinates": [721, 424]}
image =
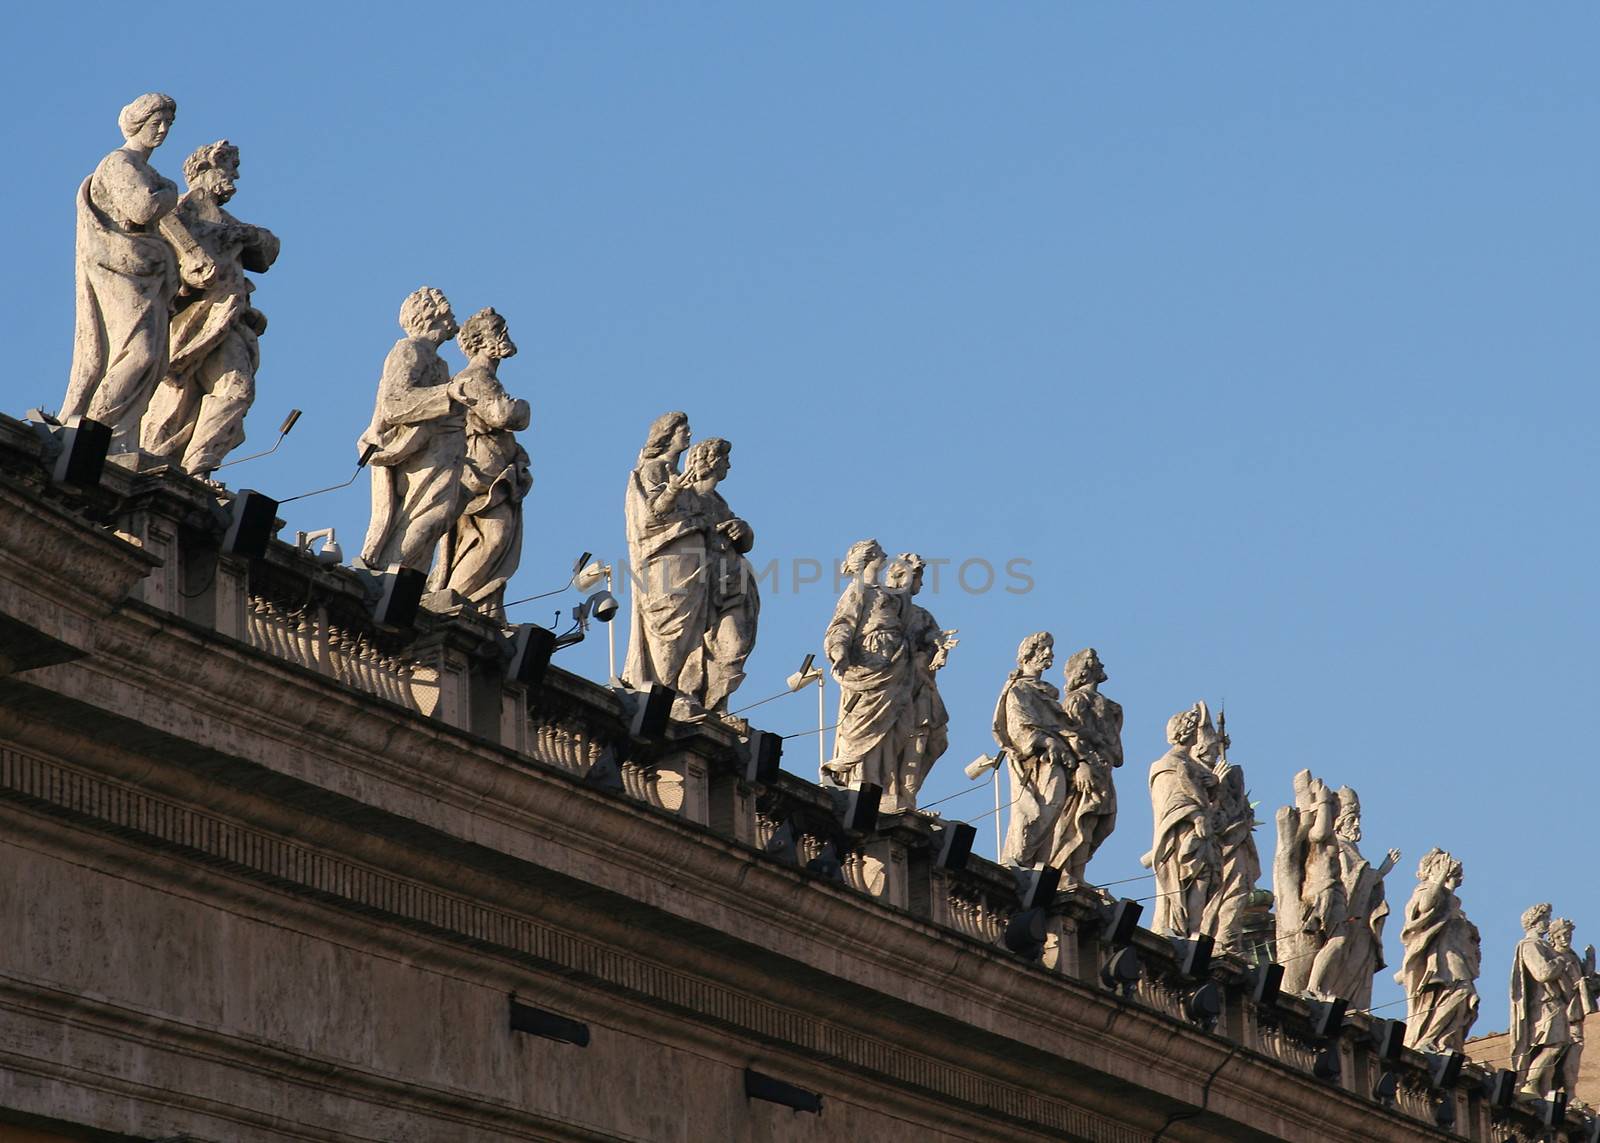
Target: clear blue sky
{"type": "Point", "coordinates": [1267, 333]}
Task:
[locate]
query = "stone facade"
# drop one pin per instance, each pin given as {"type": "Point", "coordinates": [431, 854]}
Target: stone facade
{"type": "Point", "coordinates": [277, 872]}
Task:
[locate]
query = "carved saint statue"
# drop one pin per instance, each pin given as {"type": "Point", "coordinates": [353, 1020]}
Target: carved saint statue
{"type": "Point", "coordinates": [715, 668]}
{"type": "Point", "coordinates": [419, 442]}
{"type": "Point", "coordinates": [1031, 728]}
{"type": "Point", "coordinates": [695, 601]}
{"type": "Point", "coordinates": [197, 414]}
{"type": "Point", "coordinates": [868, 645]}
{"type": "Point", "coordinates": [1442, 953]}
{"type": "Point", "coordinates": [1093, 730]}
{"type": "Point", "coordinates": [1575, 987]}
{"type": "Point", "coordinates": [1184, 855]}
{"type": "Point", "coordinates": [483, 548]}
{"type": "Point", "coordinates": [1360, 953]}
{"type": "Point", "coordinates": [127, 275]}
{"type": "Point", "coordinates": [924, 738]}
{"type": "Point", "coordinates": [1541, 1028]}
{"type": "Point", "coordinates": [1233, 825]}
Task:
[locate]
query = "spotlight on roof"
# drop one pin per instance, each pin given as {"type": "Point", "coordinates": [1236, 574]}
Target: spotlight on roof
{"type": "Point", "coordinates": [1389, 1038]}
{"type": "Point", "coordinates": [1444, 1069]}
{"type": "Point", "coordinates": [1025, 933]}
{"type": "Point", "coordinates": [761, 754]}
{"type": "Point", "coordinates": [1037, 887]}
{"type": "Point", "coordinates": [394, 594]}
{"type": "Point", "coordinates": [74, 451]}
{"type": "Point", "coordinates": [857, 808]}
{"type": "Point", "coordinates": [1194, 954]}
{"type": "Point", "coordinates": [806, 675]}
{"type": "Point", "coordinates": [1266, 984]}
{"type": "Point", "coordinates": [952, 845]}
{"type": "Point", "coordinates": [252, 520]}
{"type": "Point", "coordinates": [590, 574]}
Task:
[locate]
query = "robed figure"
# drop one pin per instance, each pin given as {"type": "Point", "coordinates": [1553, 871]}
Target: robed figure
{"type": "Point", "coordinates": [417, 443]}
{"type": "Point", "coordinates": [1094, 731]}
{"type": "Point", "coordinates": [868, 646]}
{"type": "Point", "coordinates": [925, 737]}
{"type": "Point", "coordinates": [481, 551]}
{"type": "Point", "coordinates": [1031, 729]}
{"type": "Point", "coordinates": [1443, 952]}
{"type": "Point", "coordinates": [127, 274]}
{"type": "Point", "coordinates": [714, 670]}
{"type": "Point", "coordinates": [1541, 1028]}
{"type": "Point", "coordinates": [1184, 853]}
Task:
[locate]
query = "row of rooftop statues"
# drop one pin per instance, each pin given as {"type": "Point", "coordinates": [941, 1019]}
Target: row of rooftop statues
{"type": "Point", "coordinates": [165, 353]}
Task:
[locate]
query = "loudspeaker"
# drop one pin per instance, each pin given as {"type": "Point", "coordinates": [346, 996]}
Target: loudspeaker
{"type": "Point", "coordinates": [399, 596]}
{"type": "Point", "coordinates": [857, 809]}
{"type": "Point", "coordinates": [952, 845]}
{"type": "Point", "coordinates": [250, 524]}
{"type": "Point", "coordinates": [1037, 887]}
{"type": "Point", "coordinates": [761, 753]}
{"type": "Point", "coordinates": [652, 708]}
{"type": "Point", "coordinates": [531, 648]}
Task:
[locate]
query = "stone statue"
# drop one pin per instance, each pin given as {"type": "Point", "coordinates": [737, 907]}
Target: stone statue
{"type": "Point", "coordinates": [1233, 825]}
{"type": "Point", "coordinates": [868, 646]}
{"type": "Point", "coordinates": [1575, 988]}
{"type": "Point", "coordinates": [1184, 855]}
{"type": "Point", "coordinates": [1093, 729]}
{"type": "Point", "coordinates": [481, 551]}
{"type": "Point", "coordinates": [1031, 728]}
{"type": "Point", "coordinates": [1308, 892]}
{"type": "Point", "coordinates": [1541, 1030]}
{"type": "Point", "coordinates": [925, 737]}
{"type": "Point", "coordinates": [1442, 952]}
{"type": "Point", "coordinates": [418, 432]}
{"type": "Point", "coordinates": [127, 275]}
{"type": "Point", "coordinates": [197, 414]}
{"type": "Point", "coordinates": [667, 551]}
{"type": "Point", "coordinates": [1348, 969]}
{"type": "Point", "coordinates": [715, 668]}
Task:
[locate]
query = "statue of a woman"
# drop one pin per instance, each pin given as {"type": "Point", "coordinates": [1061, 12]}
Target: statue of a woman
{"type": "Point", "coordinates": [418, 434]}
{"type": "Point", "coordinates": [866, 645]}
{"type": "Point", "coordinates": [481, 552]}
{"type": "Point", "coordinates": [1442, 955]}
{"type": "Point", "coordinates": [127, 276]}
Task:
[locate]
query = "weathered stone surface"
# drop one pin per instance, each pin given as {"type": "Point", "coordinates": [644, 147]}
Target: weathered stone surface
{"type": "Point", "coordinates": [1184, 853]}
{"type": "Point", "coordinates": [1093, 728]}
{"type": "Point", "coordinates": [925, 737]}
{"type": "Point", "coordinates": [483, 549]}
{"type": "Point", "coordinates": [127, 276]}
{"type": "Point", "coordinates": [418, 440]}
{"type": "Point", "coordinates": [1442, 958]}
{"type": "Point", "coordinates": [1233, 822]}
{"type": "Point", "coordinates": [196, 416]}
{"type": "Point", "coordinates": [1541, 1029]}
{"type": "Point", "coordinates": [1031, 729]}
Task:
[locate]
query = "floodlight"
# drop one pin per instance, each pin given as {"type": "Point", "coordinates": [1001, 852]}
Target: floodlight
{"type": "Point", "coordinates": [857, 808]}
{"type": "Point", "coordinates": [591, 574]}
{"type": "Point", "coordinates": [1204, 1005]}
{"type": "Point", "coordinates": [981, 765]}
{"type": "Point", "coordinates": [1390, 1036]}
{"type": "Point", "coordinates": [531, 648]}
{"type": "Point", "coordinates": [1327, 1018]}
{"type": "Point", "coordinates": [1387, 1087]}
{"type": "Point", "coordinates": [1444, 1069]}
{"type": "Point", "coordinates": [394, 594]}
{"type": "Point", "coordinates": [1553, 1111]}
{"type": "Point", "coordinates": [1025, 933]}
{"type": "Point", "coordinates": [1500, 1088]}
{"type": "Point", "coordinates": [761, 753]}
{"type": "Point", "coordinates": [1266, 984]}
{"type": "Point", "coordinates": [74, 450]}
{"type": "Point", "coordinates": [1120, 921]}
{"type": "Point", "coordinates": [1121, 973]}
{"type": "Point", "coordinates": [1037, 887]}
{"type": "Point", "coordinates": [952, 845]}
{"type": "Point", "coordinates": [652, 708]}
{"type": "Point", "coordinates": [806, 675]}
{"type": "Point", "coordinates": [1194, 954]}
{"type": "Point", "coordinates": [283, 431]}
{"type": "Point", "coordinates": [251, 522]}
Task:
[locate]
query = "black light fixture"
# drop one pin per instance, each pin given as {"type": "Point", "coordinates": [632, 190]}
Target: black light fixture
{"type": "Point", "coordinates": [1266, 983]}
{"type": "Point", "coordinates": [1389, 1038]}
{"type": "Point", "coordinates": [1122, 972]}
{"type": "Point", "coordinates": [531, 648]}
{"type": "Point", "coordinates": [538, 1022]}
{"type": "Point", "coordinates": [1553, 1111]}
{"type": "Point", "coordinates": [1025, 933]}
{"type": "Point", "coordinates": [252, 520]}
{"type": "Point", "coordinates": [1500, 1088]}
{"type": "Point", "coordinates": [652, 708]}
{"type": "Point", "coordinates": [784, 844]}
{"type": "Point", "coordinates": [857, 807]}
{"type": "Point", "coordinates": [1444, 1110]}
{"type": "Point", "coordinates": [952, 845]}
{"type": "Point", "coordinates": [760, 753]}
{"type": "Point", "coordinates": [1444, 1069]}
{"type": "Point", "coordinates": [605, 773]}
{"type": "Point", "coordinates": [1194, 954]}
{"type": "Point", "coordinates": [1387, 1087]}
{"type": "Point", "coordinates": [759, 1086]}
{"type": "Point", "coordinates": [74, 451]}
{"type": "Point", "coordinates": [1037, 887]}
{"type": "Point", "coordinates": [827, 864]}
{"type": "Point", "coordinates": [394, 594]}
{"type": "Point", "coordinates": [1120, 920]}
{"type": "Point", "coordinates": [1327, 1017]}
{"type": "Point", "coordinates": [1204, 1005]}
{"type": "Point", "coordinates": [1590, 1131]}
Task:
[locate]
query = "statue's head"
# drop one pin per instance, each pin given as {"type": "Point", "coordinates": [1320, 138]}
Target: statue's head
{"type": "Point", "coordinates": [426, 315]}
{"type": "Point", "coordinates": [905, 573]}
{"type": "Point", "coordinates": [147, 119]}
{"type": "Point", "coordinates": [1535, 919]}
{"type": "Point", "coordinates": [668, 433]}
{"type": "Point", "coordinates": [1347, 825]}
{"type": "Point", "coordinates": [707, 459]}
{"type": "Point", "coordinates": [1183, 728]}
{"type": "Point", "coordinates": [1561, 933]}
{"type": "Point", "coordinates": [213, 169]}
{"type": "Point", "coordinates": [485, 333]}
{"type": "Point", "coordinates": [1037, 652]}
{"type": "Point", "coordinates": [862, 560]}
{"type": "Point", "coordinates": [1084, 668]}
{"type": "Point", "coordinates": [1440, 868]}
